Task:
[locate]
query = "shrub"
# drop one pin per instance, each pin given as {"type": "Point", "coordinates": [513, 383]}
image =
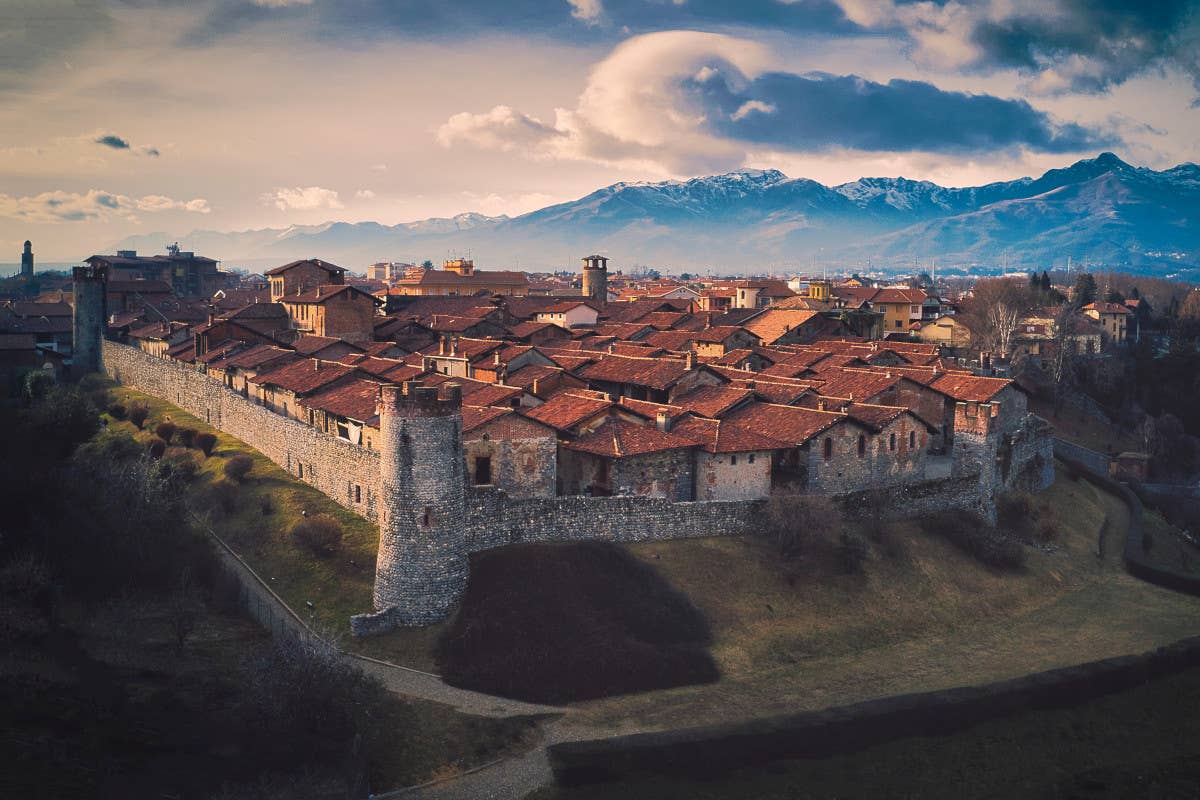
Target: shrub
{"type": "Point", "coordinates": [320, 535]}
{"type": "Point", "coordinates": [165, 431]}
{"type": "Point", "coordinates": [186, 436]}
{"type": "Point", "coordinates": [206, 442]}
{"type": "Point", "coordinates": [157, 447]}
{"type": "Point", "coordinates": [266, 504]}
{"type": "Point", "coordinates": [1015, 512]}
{"type": "Point", "coordinates": [138, 414]}
{"type": "Point", "coordinates": [974, 536]}
{"type": "Point", "coordinates": [224, 495]}
{"type": "Point", "coordinates": [182, 466]}
{"type": "Point", "coordinates": [116, 411]}
{"type": "Point", "coordinates": [794, 520]}
{"type": "Point", "coordinates": [851, 551]}
{"type": "Point", "coordinates": [238, 467]}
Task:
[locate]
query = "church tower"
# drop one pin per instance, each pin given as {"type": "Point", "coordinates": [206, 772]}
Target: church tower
{"type": "Point", "coordinates": [27, 260]}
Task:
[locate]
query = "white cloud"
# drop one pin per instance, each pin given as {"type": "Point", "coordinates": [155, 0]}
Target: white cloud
{"type": "Point", "coordinates": [95, 204]}
{"type": "Point", "coordinates": [364, 194]}
{"type": "Point", "coordinates": [502, 129]}
{"type": "Point", "coordinates": [587, 10]}
{"type": "Point", "coordinates": [158, 202]}
{"type": "Point", "coordinates": [632, 111]}
{"type": "Point", "coordinates": [301, 198]}
{"type": "Point", "coordinates": [751, 106]}
{"type": "Point", "coordinates": [493, 204]}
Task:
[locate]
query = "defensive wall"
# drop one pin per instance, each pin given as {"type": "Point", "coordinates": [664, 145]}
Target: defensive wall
{"type": "Point", "coordinates": [332, 465]}
{"type": "Point", "coordinates": [430, 521]}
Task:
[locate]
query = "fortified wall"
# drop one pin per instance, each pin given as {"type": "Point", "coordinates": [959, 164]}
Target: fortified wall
{"type": "Point", "coordinates": [415, 488]}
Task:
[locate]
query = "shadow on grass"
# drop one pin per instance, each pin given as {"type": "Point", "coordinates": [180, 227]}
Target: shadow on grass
{"type": "Point", "coordinates": [557, 623]}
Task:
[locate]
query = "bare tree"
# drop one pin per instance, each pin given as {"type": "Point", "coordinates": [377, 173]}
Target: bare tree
{"type": "Point", "coordinates": [1061, 363]}
{"type": "Point", "coordinates": [993, 310]}
{"type": "Point", "coordinates": [183, 609]}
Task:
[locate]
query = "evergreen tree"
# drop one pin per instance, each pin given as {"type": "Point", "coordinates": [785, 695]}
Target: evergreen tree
{"type": "Point", "coordinates": [1045, 282]}
{"type": "Point", "coordinates": [1085, 289]}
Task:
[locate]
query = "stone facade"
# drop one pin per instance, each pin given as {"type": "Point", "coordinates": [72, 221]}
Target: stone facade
{"type": "Point", "coordinates": [421, 569]}
{"type": "Point", "coordinates": [666, 474]}
{"type": "Point", "coordinates": [733, 476]}
{"type": "Point", "coordinates": [88, 318]}
{"type": "Point", "coordinates": [521, 456]}
{"type": "Point", "coordinates": [849, 457]}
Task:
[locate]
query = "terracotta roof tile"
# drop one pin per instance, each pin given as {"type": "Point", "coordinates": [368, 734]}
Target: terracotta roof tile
{"type": "Point", "coordinates": [968, 388]}
{"type": "Point", "coordinates": [566, 410]}
{"type": "Point", "coordinates": [722, 437]}
{"type": "Point", "coordinates": [354, 399]}
{"type": "Point", "coordinates": [618, 438]}
{"type": "Point", "coordinates": [791, 424]}
{"type": "Point", "coordinates": [654, 373]}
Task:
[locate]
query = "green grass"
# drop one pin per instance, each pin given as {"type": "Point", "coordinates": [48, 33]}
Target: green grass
{"type": "Point", "coordinates": [1085, 430]}
{"type": "Point", "coordinates": [1139, 743]}
{"type": "Point", "coordinates": [338, 586]}
{"type": "Point", "coordinates": [1168, 548]}
{"type": "Point", "coordinates": [791, 636]}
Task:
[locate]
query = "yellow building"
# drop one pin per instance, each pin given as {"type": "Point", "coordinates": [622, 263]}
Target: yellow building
{"type": "Point", "coordinates": [1113, 319]}
{"type": "Point", "coordinates": [459, 277]}
{"type": "Point", "coordinates": [946, 331]}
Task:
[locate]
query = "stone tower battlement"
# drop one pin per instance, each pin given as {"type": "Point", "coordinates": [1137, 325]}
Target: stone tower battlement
{"type": "Point", "coordinates": [88, 318]}
{"type": "Point", "coordinates": [595, 278]}
{"type": "Point", "coordinates": [421, 569]}
{"type": "Point", "coordinates": [981, 419]}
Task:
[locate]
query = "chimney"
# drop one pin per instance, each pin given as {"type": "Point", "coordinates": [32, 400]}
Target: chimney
{"type": "Point", "coordinates": [820, 405]}
{"type": "Point", "coordinates": [496, 359]}
{"type": "Point", "coordinates": [442, 346]}
{"type": "Point", "coordinates": [612, 348]}
{"type": "Point", "coordinates": [454, 346]}
{"type": "Point", "coordinates": [689, 360]}
{"type": "Point", "coordinates": [317, 364]}
{"type": "Point", "coordinates": [534, 389]}
{"type": "Point", "coordinates": [663, 420]}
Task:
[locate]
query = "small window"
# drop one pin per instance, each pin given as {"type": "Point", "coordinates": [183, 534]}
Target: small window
{"type": "Point", "coordinates": [483, 470]}
{"type": "Point", "coordinates": [357, 493]}
{"type": "Point", "coordinates": [912, 439]}
{"type": "Point", "coordinates": [751, 458]}
{"type": "Point", "coordinates": [733, 460]}
{"type": "Point", "coordinates": [427, 518]}
{"type": "Point", "coordinates": [862, 445]}
{"type": "Point", "coordinates": [892, 442]}
{"type": "Point", "coordinates": [828, 448]}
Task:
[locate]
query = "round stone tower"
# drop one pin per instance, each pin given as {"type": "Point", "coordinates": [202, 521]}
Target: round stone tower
{"type": "Point", "coordinates": [421, 570]}
{"type": "Point", "coordinates": [90, 285]}
{"type": "Point", "coordinates": [595, 278]}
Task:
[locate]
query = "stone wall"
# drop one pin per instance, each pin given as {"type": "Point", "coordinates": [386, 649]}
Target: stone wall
{"type": "Point", "coordinates": [1092, 459]}
{"type": "Point", "coordinates": [925, 497]}
{"type": "Point", "coordinates": [339, 469]}
{"type": "Point", "coordinates": [495, 520]}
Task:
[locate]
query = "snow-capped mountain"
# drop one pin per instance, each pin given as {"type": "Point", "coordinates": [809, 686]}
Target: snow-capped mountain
{"type": "Point", "coordinates": [1100, 209]}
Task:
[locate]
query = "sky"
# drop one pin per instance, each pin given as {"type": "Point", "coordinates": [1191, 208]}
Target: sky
{"type": "Point", "coordinates": [128, 117]}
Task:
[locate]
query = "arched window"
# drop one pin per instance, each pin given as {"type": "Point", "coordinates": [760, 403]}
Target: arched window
{"type": "Point", "coordinates": [892, 442]}
{"type": "Point", "coordinates": [862, 445]}
{"type": "Point", "coordinates": [828, 448]}
{"type": "Point", "coordinates": [912, 439]}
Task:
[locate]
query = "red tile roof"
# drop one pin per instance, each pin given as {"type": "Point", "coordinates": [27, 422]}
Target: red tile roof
{"type": "Point", "coordinates": [969, 388]}
{"type": "Point", "coordinates": [566, 410]}
{"type": "Point", "coordinates": [713, 401]}
{"type": "Point", "coordinates": [474, 415]}
{"type": "Point", "coordinates": [722, 437]}
{"type": "Point", "coordinates": [354, 399]}
{"type": "Point", "coordinates": [618, 438]}
{"type": "Point", "coordinates": [654, 373]}
{"type": "Point", "coordinates": [773, 324]}
{"type": "Point", "coordinates": [316, 262]}
{"type": "Point", "coordinates": [303, 377]}
{"type": "Point", "coordinates": [791, 424]}
{"type": "Point", "coordinates": [323, 293]}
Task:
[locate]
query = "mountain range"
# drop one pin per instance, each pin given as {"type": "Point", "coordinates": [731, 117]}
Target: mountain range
{"type": "Point", "coordinates": [1100, 211]}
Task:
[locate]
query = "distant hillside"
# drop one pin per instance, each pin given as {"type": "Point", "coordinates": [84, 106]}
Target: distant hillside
{"type": "Point", "coordinates": [1101, 210]}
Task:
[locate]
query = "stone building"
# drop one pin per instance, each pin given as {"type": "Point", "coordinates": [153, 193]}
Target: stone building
{"type": "Point", "coordinates": [188, 274]}
{"type": "Point", "coordinates": [619, 457]}
{"type": "Point", "coordinates": [510, 452]}
{"type": "Point", "coordinates": [732, 463]}
{"type": "Point", "coordinates": [27, 260]}
{"type": "Point", "coordinates": [303, 276]}
{"type": "Point", "coordinates": [337, 311]}
{"type": "Point", "coordinates": [88, 317]}
{"type": "Point", "coordinates": [281, 389]}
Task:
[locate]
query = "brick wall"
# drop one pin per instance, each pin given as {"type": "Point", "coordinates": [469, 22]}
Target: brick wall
{"type": "Point", "coordinates": [330, 464]}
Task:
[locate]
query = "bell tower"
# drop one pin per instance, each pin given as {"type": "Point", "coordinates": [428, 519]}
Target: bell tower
{"type": "Point", "coordinates": [595, 278]}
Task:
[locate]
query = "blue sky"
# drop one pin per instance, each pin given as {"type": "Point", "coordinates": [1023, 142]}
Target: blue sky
{"type": "Point", "coordinates": [141, 116]}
